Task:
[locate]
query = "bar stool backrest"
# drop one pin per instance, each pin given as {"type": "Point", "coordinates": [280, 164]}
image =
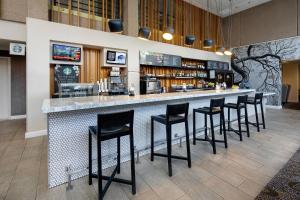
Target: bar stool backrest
{"type": "Point", "coordinates": [115, 120]}
{"type": "Point", "coordinates": [258, 97]}
{"type": "Point", "coordinates": [217, 104]}
{"type": "Point", "coordinates": [242, 99]}
{"type": "Point", "coordinates": [177, 109]}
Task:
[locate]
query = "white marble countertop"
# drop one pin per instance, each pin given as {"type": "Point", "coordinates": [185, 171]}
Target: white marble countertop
{"type": "Point", "coordinates": [79, 103]}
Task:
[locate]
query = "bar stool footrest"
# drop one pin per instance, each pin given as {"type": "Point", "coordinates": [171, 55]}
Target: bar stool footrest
{"type": "Point", "coordinates": [111, 179]}
{"type": "Point", "coordinates": [172, 156]}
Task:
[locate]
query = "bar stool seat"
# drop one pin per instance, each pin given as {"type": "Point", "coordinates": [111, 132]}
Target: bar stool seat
{"type": "Point", "coordinates": [177, 113]}
{"type": "Point", "coordinates": [173, 119]}
{"type": "Point", "coordinates": [234, 105]}
{"type": "Point", "coordinates": [109, 133]}
{"type": "Point", "coordinates": [112, 126]}
{"type": "Point", "coordinates": [206, 110]}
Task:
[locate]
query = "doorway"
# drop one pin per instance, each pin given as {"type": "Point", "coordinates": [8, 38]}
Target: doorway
{"type": "Point", "coordinates": [291, 85]}
{"type": "Point", "coordinates": [5, 88]}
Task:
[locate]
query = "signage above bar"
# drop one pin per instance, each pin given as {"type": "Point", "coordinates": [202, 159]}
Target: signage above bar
{"type": "Point", "coordinates": [158, 59]}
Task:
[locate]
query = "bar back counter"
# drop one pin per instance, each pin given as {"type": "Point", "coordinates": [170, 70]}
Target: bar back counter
{"type": "Point", "coordinates": [69, 118]}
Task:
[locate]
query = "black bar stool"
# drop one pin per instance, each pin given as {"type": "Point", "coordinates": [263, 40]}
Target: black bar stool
{"type": "Point", "coordinates": [175, 114]}
{"type": "Point", "coordinates": [241, 104]}
{"type": "Point", "coordinates": [258, 99]}
{"type": "Point", "coordinates": [111, 126]}
{"type": "Point", "coordinates": [216, 107]}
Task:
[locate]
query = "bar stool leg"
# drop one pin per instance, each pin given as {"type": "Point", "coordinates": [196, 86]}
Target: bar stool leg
{"type": "Point", "coordinates": [239, 123]}
{"type": "Point", "coordinates": [132, 164]}
{"type": "Point", "coordinates": [90, 159]}
{"type": "Point", "coordinates": [152, 139]}
{"type": "Point", "coordinates": [194, 128]}
{"type": "Point", "coordinates": [205, 125]}
{"type": "Point", "coordinates": [100, 192]}
{"type": "Point", "coordinates": [246, 120]}
{"type": "Point", "coordinates": [228, 123]}
{"type": "Point", "coordinates": [224, 129]}
{"type": "Point", "coordinates": [256, 116]}
{"type": "Point", "coordinates": [188, 144]}
{"type": "Point", "coordinates": [262, 114]}
{"type": "Point", "coordinates": [169, 148]}
{"type": "Point", "coordinates": [119, 155]}
{"type": "Point", "coordinates": [221, 124]}
{"type": "Point", "coordinates": [212, 133]}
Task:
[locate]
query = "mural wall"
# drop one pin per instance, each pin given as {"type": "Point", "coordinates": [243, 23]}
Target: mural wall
{"type": "Point", "coordinates": [259, 66]}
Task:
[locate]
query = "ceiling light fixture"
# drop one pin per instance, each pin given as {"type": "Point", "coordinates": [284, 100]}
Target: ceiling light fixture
{"type": "Point", "coordinates": [207, 43]}
{"type": "Point", "coordinates": [220, 50]}
{"type": "Point", "coordinates": [190, 39]}
{"type": "Point", "coordinates": [228, 50]}
{"type": "Point", "coordinates": [169, 31]}
{"type": "Point", "coordinates": [144, 31]}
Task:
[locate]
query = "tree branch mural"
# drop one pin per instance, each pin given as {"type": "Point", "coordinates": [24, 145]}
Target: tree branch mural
{"type": "Point", "coordinates": [259, 66]}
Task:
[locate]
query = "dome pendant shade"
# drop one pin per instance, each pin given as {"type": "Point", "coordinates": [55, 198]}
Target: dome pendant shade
{"type": "Point", "coordinates": [144, 33]}
{"type": "Point", "coordinates": [168, 34]}
{"type": "Point", "coordinates": [208, 43]}
{"type": "Point", "coordinates": [189, 40]}
{"type": "Point", "coordinates": [115, 25]}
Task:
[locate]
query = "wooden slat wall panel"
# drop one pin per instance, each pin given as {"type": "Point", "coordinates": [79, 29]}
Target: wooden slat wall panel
{"type": "Point", "coordinates": [184, 14]}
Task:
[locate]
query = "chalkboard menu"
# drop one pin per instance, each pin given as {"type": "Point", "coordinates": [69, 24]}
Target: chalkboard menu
{"type": "Point", "coordinates": [212, 65]}
{"type": "Point", "coordinates": [149, 58]}
{"type": "Point", "coordinates": [65, 74]}
{"type": "Point", "coordinates": [216, 65]}
{"type": "Point", "coordinates": [171, 61]}
{"type": "Point", "coordinates": [157, 59]}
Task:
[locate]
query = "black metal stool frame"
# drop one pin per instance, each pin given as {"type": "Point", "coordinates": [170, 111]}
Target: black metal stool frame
{"type": "Point", "coordinates": [258, 99]}
{"type": "Point", "coordinates": [172, 112]}
{"type": "Point", "coordinates": [214, 103]}
{"type": "Point", "coordinates": [241, 104]}
{"type": "Point", "coordinates": [106, 121]}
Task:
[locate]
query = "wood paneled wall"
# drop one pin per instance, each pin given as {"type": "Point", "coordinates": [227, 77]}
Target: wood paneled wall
{"type": "Point", "coordinates": [90, 71]}
{"type": "Point", "coordinates": [185, 19]}
{"type": "Point", "coordinates": [92, 14]}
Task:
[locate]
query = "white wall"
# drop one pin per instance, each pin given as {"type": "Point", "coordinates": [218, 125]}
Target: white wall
{"type": "Point", "coordinates": [39, 35]}
{"type": "Point", "coordinates": [12, 31]}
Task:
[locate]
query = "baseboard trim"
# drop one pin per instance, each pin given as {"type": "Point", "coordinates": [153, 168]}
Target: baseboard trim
{"type": "Point", "coordinates": [273, 107]}
{"type": "Point", "coordinates": [17, 117]}
{"type": "Point", "coordinates": [32, 134]}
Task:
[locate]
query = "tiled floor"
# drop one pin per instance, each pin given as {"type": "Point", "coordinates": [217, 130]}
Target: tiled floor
{"type": "Point", "coordinates": [237, 173]}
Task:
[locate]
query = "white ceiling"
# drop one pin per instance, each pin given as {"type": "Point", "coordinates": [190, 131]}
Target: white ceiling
{"type": "Point", "coordinates": [237, 5]}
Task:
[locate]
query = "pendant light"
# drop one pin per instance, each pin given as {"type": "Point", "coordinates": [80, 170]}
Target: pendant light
{"type": "Point", "coordinates": [144, 31]}
{"type": "Point", "coordinates": [115, 25]}
{"type": "Point", "coordinates": [220, 50]}
{"type": "Point", "coordinates": [189, 39]}
{"type": "Point", "coordinates": [208, 43]}
{"type": "Point", "coordinates": [228, 50]}
{"type": "Point", "coordinates": [168, 34]}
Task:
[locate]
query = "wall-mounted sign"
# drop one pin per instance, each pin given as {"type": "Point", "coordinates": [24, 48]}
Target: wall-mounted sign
{"type": "Point", "coordinates": [158, 59]}
{"type": "Point", "coordinates": [66, 53]}
{"type": "Point", "coordinates": [17, 49]}
{"type": "Point", "coordinates": [116, 57]}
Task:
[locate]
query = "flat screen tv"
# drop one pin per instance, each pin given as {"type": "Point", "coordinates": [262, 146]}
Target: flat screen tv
{"type": "Point", "coordinates": [115, 57]}
{"type": "Point", "coordinates": [66, 53]}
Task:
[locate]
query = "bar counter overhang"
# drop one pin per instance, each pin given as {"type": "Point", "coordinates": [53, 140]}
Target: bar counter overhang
{"type": "Point", "coordinates": [68, 120]}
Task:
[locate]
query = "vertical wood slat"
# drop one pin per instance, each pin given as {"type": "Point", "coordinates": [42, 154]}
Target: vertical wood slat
{"type": "Point", "coordinates": [58, 11]}
{"type": "Point", "coordinates": [103, 29]}
{"type": "Point", "coordinates": [182, 11]}
{"type": "Point", "coordinates": [69, 11]}
{"type": "Point", "coordinates": [78, 12]}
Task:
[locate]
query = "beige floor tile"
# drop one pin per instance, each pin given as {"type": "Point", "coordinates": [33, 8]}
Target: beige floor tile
{"type": "Point", "coordinates": [251, 188]}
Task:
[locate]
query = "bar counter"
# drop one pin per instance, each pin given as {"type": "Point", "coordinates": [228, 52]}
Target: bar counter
{"type": "Point", "coordinates": [68, 120]}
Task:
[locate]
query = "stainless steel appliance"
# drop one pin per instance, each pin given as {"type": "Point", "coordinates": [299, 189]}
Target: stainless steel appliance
{"type": "Point", "coordinates": [150, 86]}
